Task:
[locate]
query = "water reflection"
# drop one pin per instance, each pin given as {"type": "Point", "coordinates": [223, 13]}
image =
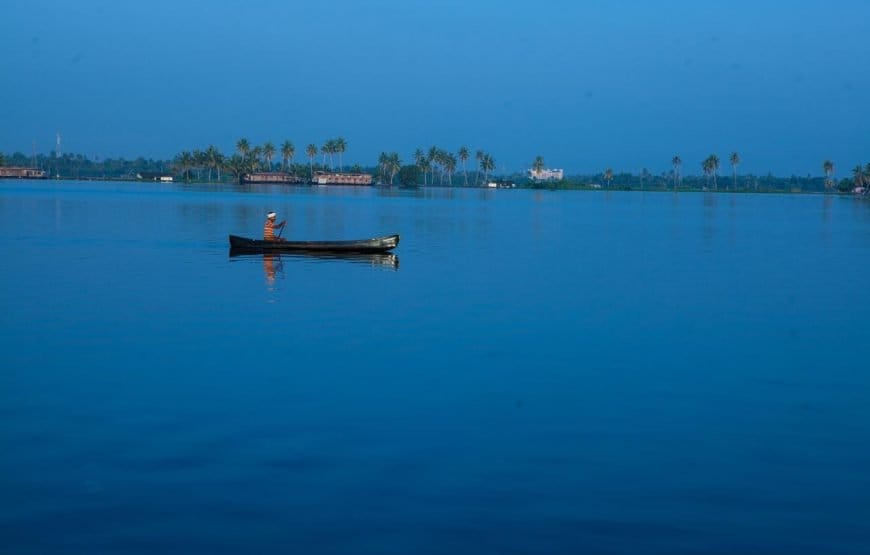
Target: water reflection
{"type": "Point", "coordinates": [273, 263]}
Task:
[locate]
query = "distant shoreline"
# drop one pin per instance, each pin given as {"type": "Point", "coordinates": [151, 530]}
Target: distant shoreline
{"type": "Point", "coordinates": [537, 187]}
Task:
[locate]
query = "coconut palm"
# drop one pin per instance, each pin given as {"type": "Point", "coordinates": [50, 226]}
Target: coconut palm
{"type": "Point", "coordinates": [538, 165]}
{"type": "Point", "coordinates": [463, 157]}
{"type": "Point", "coordinates": [268, 154]}
{"type": "Point", "coordinates": [644, 175]}
{"type": "Point", "coordinates": [711, 169]}
{"type": "Point", "coordinates": [383, 164]}
{"type": "Point", "coordinates": [479, 157]}
{"type": "Point", "coordinates": [608, 176]}
{"type": "Point", "coordinates": [327, 150]}
{"type": "Point", "coordinates": [243, 147]}
{"type": "Point", "coordinates": [434, 156]}
{"type": "Point", "coordinates": [213, 161]}
{"type": "Point", "coordinates": [858, 176]}
{"type": "Point", "coordinates": [828, 168]}
{"type": "Point", "coordinates": [288, 151]}
{"type": "Point", "coordinates": [236, 165]}
{"type": "Point", "coordinates": [419, 157]}
{"type": "Point", "coordinates": [706, 166]}
{"type": "Point", "coordinates": [735, 161]}
{"type": "Point", "coordinates": [449, 167]}
{"type": "Point", "coordinates": [425, 166]}
{"type": "Point", "coordinates": [677, 162]}
{"type": "Point", "coordinates": [256, 162]}
{"type": "Point", "coordinates": [183, 162]}
{"type": "Point", "coordinates": [340, 147]}
{"type": "Point", "coordinates": [394, 164]}
{"type": "Point", "coordinates": [311, 152]}
{"type": "Point", "coordinates": [487, 165]}
{"type": "Point", "coordinates": [199, 162]}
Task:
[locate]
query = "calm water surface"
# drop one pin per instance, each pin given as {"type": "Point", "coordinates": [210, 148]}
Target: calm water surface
{"type": "Point", "coordinates": [534, 372]}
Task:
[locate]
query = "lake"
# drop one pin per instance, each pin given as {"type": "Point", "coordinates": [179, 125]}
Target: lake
{"type": "Point", "coordinates": [533, 372]}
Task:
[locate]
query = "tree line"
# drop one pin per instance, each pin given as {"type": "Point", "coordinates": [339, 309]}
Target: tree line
{"type": "Point", "coordinates": [436, 163]}
{"type": "Point", "coordinates": [434, 166]}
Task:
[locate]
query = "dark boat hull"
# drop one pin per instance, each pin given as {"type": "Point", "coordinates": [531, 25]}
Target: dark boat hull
{"type": "Point", "coordinates": [377, 244]}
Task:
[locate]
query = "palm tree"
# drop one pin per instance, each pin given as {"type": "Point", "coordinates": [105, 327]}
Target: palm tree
{"type": "Point", "coordinates": [711, 169]}
{"type": "Point", "coordinates": [212, 161]}
{"type": "Point", "coordinates": [383, 163]}
{"type": "Point", "coordinates": [449, 167]}
{"type": "Point", "coordinates": [268, 154]}
{"type": "Point", "coordinates": [425, 166]}
{"type": "Point", "coordinates": [463, 157]}
{"type": "Point", "coordinates": [858, 176]}
{"type": "Point", "coordinates": [433, 155]}
{"type": "Point", "coordinates": [735, 161]}
{"type": "Point", "coordinates": [538, 166]}
{"type": "Point", "coordinates": [340, 147]}
{"type": "Point", "coordinates": [418, 161]}
{"type": "Point", "coordinates": [183, 162]}
{"type": "Point", "coordinates": [256, 152]}
{"type": "Point", "coordinates": [487, 165]}
{"type": "Point", "coordinates": [199, 162]}
{"type": "Point", "coordinates": [644, 175]}
{"type": "Point", "coordinates": [311, 152]}
{"type": "Point", "coordinates": [2, 160]}
{"type": "Point", "coordinates": [288, 151]}
{"type": "Point", "coordinates": [325, 150]}
{"type": "Point", "coordinates": [479, 155]}
{"type": "Point", "coordinates": [236, 165]}
{"type": "Point", "coordinates": [707, 166]}
{"type": "Point", "coordinates": [828, 168]}
{"type": "Point", "coordinates": [394, 164]}
{"type": "Point", "coordinates": [608, 176]}
{"type": "Point", "coordinates": [243, 147]}
{"type": "Point", "coordinates": [678, 164]}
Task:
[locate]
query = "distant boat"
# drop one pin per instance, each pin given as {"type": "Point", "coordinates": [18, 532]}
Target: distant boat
{"type": "Point", "coordinates": [377, 244]}
{"type": "Point", "coordinates": [16, 172]}
{"type": "Point", "coordinates": [338, 178]}
{"type": "Point", "coordinates": [270, 177]}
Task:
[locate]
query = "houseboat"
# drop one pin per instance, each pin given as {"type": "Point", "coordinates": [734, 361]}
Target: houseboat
{"type": "Point", "coordinates": [335, 178]}
{"type": "Point", "coordinates": [17, 172]}
{"type": "Point", "coordinates": [270, 177]}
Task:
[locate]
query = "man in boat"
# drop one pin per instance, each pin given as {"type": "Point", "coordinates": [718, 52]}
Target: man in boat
{"type": "Point", "coordinates": [270, 226]}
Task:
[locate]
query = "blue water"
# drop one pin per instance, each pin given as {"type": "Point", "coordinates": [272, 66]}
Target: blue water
{"type": "Point", "coordinates": [534, 372]}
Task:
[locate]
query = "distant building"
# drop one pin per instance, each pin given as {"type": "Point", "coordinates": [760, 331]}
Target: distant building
{"type": "Point", "coordinates": [547, 175]}
{"type": "Point", "coordinates": [335, 178]}
{"type": "Point", "coordinates": [154, 176]}
{"type": "Point", "coordinates": [22, 173]}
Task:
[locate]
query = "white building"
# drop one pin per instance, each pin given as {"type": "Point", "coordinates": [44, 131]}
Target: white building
{"type": "Point", "coordinates": [547, 175]}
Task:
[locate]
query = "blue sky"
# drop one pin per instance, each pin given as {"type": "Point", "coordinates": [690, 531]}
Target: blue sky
{"type": "Point", "coordinates": [587, 84]}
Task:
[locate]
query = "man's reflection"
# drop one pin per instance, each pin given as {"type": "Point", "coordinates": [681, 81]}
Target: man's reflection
{"type": "Point", "coordinates": [269, 268]}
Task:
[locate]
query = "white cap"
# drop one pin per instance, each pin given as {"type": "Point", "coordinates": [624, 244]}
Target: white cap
{"type": "Point", "coordinates": [271, 215]}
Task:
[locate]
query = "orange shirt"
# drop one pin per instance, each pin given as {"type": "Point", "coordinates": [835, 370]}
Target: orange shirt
{"type": "Point", "coordinates": [269, 230]}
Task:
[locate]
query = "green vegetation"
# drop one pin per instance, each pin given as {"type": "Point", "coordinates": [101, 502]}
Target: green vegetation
{"type": "Point", "coordinates": [436, 166]}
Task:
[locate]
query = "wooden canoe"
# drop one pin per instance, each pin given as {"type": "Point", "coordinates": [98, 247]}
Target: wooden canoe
{"type": "Point", "coordinates": [377, 244]}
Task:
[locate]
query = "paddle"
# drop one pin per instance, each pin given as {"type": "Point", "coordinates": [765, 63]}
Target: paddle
{"type": "Point", "coordinates": [280, 231]}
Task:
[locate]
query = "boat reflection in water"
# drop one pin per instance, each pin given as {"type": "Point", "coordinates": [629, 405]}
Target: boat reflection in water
{"type": "Point", "coordinates": [274, 262]}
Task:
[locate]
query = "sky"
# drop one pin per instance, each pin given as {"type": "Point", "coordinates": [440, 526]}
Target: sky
{"type": "Point", "coordinates": [587, 84]}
